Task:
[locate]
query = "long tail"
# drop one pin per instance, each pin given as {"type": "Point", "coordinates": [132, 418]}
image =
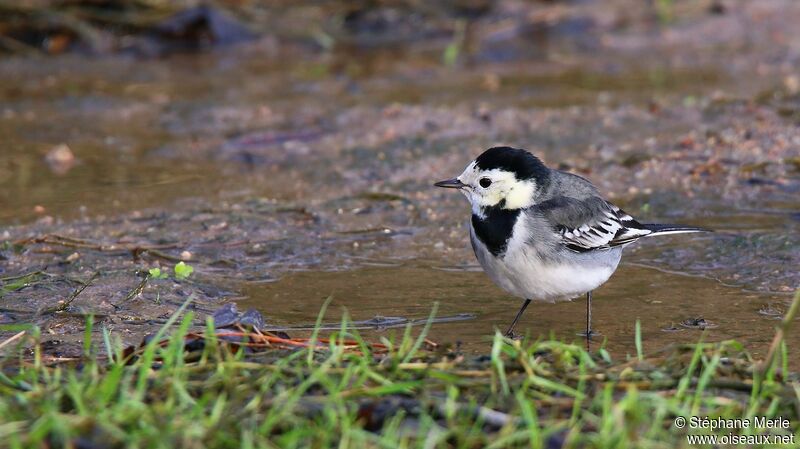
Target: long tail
{"type": "Point", "coordinates": [664, 229]}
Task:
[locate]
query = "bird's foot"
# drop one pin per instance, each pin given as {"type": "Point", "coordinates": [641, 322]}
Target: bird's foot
{"type": "Point", "coordinates": [590, 334]}
{"type": "Point", "coordinates": [512, 336]}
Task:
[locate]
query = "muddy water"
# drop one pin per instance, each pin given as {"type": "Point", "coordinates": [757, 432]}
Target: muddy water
{"type": "Point", "coordinates": [148, 133]}
{"type": "Point", "coordinates": [668, 306]}
{"type": "Point", "coordinates": [287, 176]}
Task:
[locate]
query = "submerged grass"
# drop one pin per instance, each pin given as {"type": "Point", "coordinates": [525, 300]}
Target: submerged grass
{"type": "Point", "coordinates": [333, 393]}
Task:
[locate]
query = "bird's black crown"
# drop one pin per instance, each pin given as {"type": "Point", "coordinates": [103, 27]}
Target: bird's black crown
{"type": "Point", "coordinates": [523, 164]}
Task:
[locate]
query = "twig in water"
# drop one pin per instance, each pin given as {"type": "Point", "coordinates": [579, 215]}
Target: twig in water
{"type": "Point", "coordinates": [377, 323]}
{"type": "Point", "coordinates": [21, 276]}
{"type": "Point", "coordinates": [71, 242]}
{"type": "Point", "coordinates": [159, 254]}
{"type": "Point", "coordinates": [138, 289]}
{"type": "Point", "coordinates": [12, 339]}
{"type": "Point", "coordinates": [62, 305]}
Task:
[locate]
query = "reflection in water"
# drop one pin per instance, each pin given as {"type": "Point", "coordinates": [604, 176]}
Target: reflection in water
{"type": "Point", "coordinates": [667, 305]}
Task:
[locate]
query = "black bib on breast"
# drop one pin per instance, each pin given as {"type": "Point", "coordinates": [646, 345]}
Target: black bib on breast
{"type": "Point", "coordinates": [495, 229]}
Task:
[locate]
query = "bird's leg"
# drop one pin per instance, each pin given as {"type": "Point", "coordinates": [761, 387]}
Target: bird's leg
{"type": "Point", "coordinates": [589, 332]}
{"type": "Point", "coordinates": [510, 331]}
{"type": "Point", "coordinates": [589, 314]}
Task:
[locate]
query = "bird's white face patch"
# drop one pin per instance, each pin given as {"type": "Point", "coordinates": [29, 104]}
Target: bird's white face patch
{"type": "Point", "coordinates": [487, 188]}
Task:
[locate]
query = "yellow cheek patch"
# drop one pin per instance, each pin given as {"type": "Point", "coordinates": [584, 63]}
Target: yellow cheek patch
{"type": "Point", "coordinates": [520, 195]}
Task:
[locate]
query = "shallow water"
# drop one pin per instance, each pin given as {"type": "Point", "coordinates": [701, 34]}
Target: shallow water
{"type": "Point", "coordinates": [664, 303]}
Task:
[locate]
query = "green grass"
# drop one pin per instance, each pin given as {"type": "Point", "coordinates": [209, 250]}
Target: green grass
{"type": "Point", "coordinates": [523, 394]}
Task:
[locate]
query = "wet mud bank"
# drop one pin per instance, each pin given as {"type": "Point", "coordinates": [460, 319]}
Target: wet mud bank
{"type": "Point", "coordinates": [284, 178]}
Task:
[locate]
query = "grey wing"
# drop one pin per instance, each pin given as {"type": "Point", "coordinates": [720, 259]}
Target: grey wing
{"type": "Point", "coordinates": [591, 223]}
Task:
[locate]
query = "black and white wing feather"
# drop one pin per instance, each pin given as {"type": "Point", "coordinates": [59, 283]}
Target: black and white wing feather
{"type": "Point", "coordinates": [594, 223]}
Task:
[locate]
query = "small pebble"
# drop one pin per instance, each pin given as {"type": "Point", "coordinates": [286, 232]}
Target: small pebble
{"type": "Point", "coordinates": [792, 84]}
{"type": "Point", "coordinates": [47, 220]}
{"type": "Point", "coordinates": [60, 159]}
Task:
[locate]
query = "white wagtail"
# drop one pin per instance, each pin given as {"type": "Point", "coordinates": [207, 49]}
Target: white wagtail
{"type": "Point", "coordinates": [543, 234]}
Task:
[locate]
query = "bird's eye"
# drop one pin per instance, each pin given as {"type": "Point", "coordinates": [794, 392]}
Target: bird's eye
{"type": "Point", "coordinates": [485, 182]}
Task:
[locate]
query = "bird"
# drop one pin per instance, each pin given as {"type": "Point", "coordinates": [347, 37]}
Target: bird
{"type": "Point", "coordinates": [543, 234]}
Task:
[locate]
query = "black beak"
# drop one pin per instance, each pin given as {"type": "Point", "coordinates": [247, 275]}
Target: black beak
{"type": "Point", "coordinates": [451, 184]}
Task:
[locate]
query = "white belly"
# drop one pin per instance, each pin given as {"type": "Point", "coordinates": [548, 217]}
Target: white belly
{"type": "Point", "coordinates": [525, 274]}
